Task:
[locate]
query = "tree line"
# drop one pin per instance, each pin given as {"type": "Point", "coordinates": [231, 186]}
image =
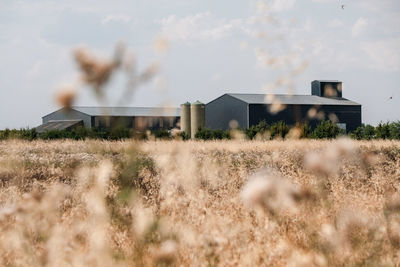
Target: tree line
{"type": "Point", "coordinates": [279, 130]}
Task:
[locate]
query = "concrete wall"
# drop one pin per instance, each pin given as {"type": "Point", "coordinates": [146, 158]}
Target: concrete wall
{"type": "Point", "coordinates": [350, 115]}
{"type": "Point", "coordinates": [68, 114]}
{"type": "Point", "coordinates": [223, 110]}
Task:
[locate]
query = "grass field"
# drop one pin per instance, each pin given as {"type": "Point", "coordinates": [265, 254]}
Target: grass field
{"type": "Point", "coordinates": [226, 203]}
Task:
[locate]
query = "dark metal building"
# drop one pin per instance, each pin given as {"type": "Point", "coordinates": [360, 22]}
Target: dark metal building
{"type": "Point", "coordinates": [108, 117]}
{"type": "Point", "coordinates": [326, 102]}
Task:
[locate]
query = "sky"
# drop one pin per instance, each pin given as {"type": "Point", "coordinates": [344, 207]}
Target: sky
{"type": "Point", "coordinates": [213, 47]}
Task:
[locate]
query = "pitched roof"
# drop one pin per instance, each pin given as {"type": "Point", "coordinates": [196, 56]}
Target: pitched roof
{"type": "Point", "coordinates": [57, 125]}
{"type": "Point", "coordinates": [292, 99]}
{"type": "Point", "coordinates": [129, 111]}
{"type": "Point", "coordinates": [327, 81]}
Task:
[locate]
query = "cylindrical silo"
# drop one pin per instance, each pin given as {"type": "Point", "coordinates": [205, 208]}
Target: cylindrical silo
{"type": "Point", "coordinates": [185, 118]}
{"type": "Point", "coordinates": [198, 117]}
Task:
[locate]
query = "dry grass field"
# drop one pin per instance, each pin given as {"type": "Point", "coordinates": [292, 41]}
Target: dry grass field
{"type": "Point", "coordinates": [226, 203]}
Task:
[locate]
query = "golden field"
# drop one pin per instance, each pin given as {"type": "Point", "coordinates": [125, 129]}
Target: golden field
{"type": "Point", "coordinates": [225, 203]}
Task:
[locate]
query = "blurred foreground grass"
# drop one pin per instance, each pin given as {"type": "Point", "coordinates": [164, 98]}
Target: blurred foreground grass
{"type": "Point", "coordinates": [227, 203]}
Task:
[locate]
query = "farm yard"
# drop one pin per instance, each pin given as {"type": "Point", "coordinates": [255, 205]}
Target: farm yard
{"type": "Point", "coordinates": [196, 203]}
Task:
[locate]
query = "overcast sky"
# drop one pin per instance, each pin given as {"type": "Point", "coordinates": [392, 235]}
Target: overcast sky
{"type": "Point", "coordinates": [214, 47]}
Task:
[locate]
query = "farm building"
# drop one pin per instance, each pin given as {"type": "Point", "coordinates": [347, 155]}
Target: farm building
{"type": "Point", "coordinates": [108, 117]}
{"type": "Point", "coordinates": [239, 110]}
{"type": "Point", "coordinates": [324, 103]}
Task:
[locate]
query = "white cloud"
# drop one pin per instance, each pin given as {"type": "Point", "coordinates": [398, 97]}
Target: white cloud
{"type": "Point", "coordinates": [281, 5]}
{"type": "Point", "coordinates": [335, 23]}
{"type": "Point", "coordinates": [116, 18]}
{"type": "Point", "coordinates": [359, 26]}
{"type": "Point", "coordinates": [202, 26]}
{"type": "Point", "coordinates": [383, 55]}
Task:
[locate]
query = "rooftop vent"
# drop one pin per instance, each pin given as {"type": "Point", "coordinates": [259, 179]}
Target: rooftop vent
{"type": "Point", "coordinates": [326, 88]}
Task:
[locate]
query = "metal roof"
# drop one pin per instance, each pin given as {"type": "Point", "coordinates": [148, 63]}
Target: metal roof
{"type": "Point", "coordinates": [327, 81]}
{"type": "Point", "coordinates": [292, 99]}
{"type": "Point", "coordinates": [130, 111]}
{"type": "Point", "coordinates": [57, 125]}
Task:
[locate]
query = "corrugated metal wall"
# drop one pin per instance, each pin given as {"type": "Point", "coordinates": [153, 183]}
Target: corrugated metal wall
{"type": "Point", "coordinates": [351, 115]}
{"type": "Point", "coordinates": [221, 111]}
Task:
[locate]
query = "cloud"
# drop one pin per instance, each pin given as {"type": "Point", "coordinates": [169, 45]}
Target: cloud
{"type": "Point", "coordinates": [383, 55]}
{"type": "Point", "coordinates": [359, 26]}
{"type": "Point", "coordinates": [335, 23]}
{"type": "Point", "coordinates": [72, 28]}
{"type": "Point", "coordinates": [198, 27]}
{"type": "Point", "coordinates": [116, 18]}
{"type": "Point", "coordinates": [281, 5]}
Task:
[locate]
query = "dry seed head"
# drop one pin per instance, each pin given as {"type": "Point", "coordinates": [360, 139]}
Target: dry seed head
{"type": "Point", "coordinates": [312, 113]}
{"type": "Point", "coordinates": [294, 133]}
{"type": "Point", "coordinates": [95, 71]}
{"type": "Point", "coordinates": [233, 124]}
{"type": "Point", "coordinates": [150, 72]}
{"type": "Point", "coordinates": [66, 97]}
{"type": "Point", "coordinates": [330, 91]}
{"type": "Point", "coordinates": [167, 252]}
{"type": "Point", "coordinates": [333, 118]}
{"type": "Point", "coordinates": [276, 107]}
{"type": "Point", "coordinates": [160, 44]}
{"type": "Point", "coordinates": [269, 191]}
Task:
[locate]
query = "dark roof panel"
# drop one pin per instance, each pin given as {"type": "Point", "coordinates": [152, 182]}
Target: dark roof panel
{"type": "Point", "coordinates": [292, 99]}
{"type": "Point", "coordinates": [57, 125]}
{"type": "Point", "coordinates": [130, 111]}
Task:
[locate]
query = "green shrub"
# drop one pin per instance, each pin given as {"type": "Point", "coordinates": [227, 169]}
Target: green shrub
{"type": "Point", "coordinates": [203, 134]}
{"type": "Point", "coordinates": [119, 132]}
{"type": "Point", "coordinates": [162, 134]}
{"type": "Point", "coordinates": [305, 131]}
{"type": "Point", "coordinates": [369, 132]}
{"type": "Point", "coordinates": [364, 132]}
{"type": "Point", "coordinates": [253, 130]}
{"type": "Point", "coordinates": [395, 130]}
{"type": "Point", "coordinates": [358, 133]}
{"type": "Point", "coordinates": [184, 136]}
{"type": "Point", "coordinates": [326, 129]}
{"type": "Point", "coordinates": [279, 129]}
{"type": "Point", "coordinates": [207, 134]}
{"type": "Point", "coordinates": [382, 131]}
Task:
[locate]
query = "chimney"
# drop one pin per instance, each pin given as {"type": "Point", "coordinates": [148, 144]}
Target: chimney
{"type": "Point", "coordinates": [326, 88]}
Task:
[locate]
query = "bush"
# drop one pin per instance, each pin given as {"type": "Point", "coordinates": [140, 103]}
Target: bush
{"type": "Point", "coordinates": [395, 130]}
{"type": "Point", "coordinates": [161, 134]}
{"type": "Point", "coordinates": [369, 132]}
{"type": "Point", "coordinates": [118, 133]}
{"type": "Point", "coordinates": [253, 130]}
{"type": "Point", "coordinates": [305, 131]}
{"type": "Point", "coordinates": [207, 134]}
{"type": "Point", "coordinates": [382, 131]}
{"type": "Point", "coordinates": [184, 136]}
{"type": "Point", "coordinates": [358, 133]}
{"type": "Point", "coordinates": [326, 129]}
{"type": "Point", "coordinates": [364, 132]}
{"type": "Point", "coordinates": [279, 129]}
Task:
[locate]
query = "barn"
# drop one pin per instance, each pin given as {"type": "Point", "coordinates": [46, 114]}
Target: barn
{"type": "Point", "coordinates": [140, 118]}
{"type": "Point", "coordinates": [325, 102]}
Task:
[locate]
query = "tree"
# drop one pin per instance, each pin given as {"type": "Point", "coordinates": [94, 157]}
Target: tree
{"type": "Point", "coordinates": [326, 129]}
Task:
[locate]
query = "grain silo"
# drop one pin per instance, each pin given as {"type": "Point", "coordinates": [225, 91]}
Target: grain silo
{"type": "Point", "coordinates": [185, 118]}
{"type": "Point", "coordinates": [198, 117]}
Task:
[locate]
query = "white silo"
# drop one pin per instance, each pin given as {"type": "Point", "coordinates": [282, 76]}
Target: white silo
{"type": "Point", "coordinates": [185, 118]}
{"type": "Point", "coordinates": [198, 117]}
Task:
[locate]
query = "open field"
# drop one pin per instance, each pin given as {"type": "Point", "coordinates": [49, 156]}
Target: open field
{"type": "Point", "coordinates": [226, 203]}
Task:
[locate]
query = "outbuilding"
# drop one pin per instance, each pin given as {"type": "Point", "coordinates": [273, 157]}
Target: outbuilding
{"type": "Point", "coordinates": [324, 103]}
